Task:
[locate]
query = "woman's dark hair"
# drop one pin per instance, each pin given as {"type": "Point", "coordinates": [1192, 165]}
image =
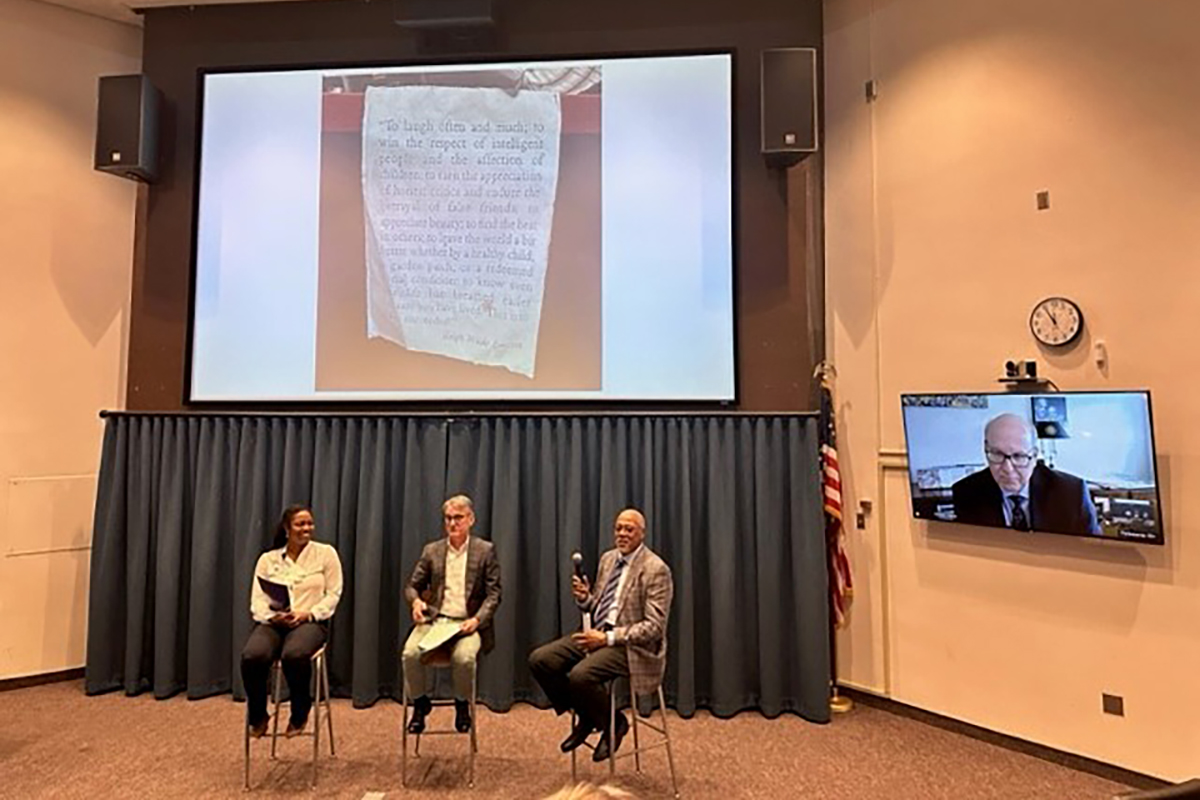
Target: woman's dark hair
{"type": "Point", "coordinates": [285, 522]}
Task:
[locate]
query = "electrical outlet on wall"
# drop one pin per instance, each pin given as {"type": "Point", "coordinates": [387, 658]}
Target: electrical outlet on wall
{"type": "Point", "coordinates": [1113, 704]}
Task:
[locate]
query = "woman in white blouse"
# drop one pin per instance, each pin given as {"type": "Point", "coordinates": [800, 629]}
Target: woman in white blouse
{"type": "Point", "coordinates": [296, 588]}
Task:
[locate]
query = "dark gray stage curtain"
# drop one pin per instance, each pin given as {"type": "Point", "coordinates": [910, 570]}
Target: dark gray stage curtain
{"type": "Point", "coordinates": [732, 503]}
{"type": "Point", "coordinates": [185, 506]}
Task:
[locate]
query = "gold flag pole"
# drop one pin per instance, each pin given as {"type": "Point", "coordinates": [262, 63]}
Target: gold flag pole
{"type": "Point", "coordinates": [839, 703]}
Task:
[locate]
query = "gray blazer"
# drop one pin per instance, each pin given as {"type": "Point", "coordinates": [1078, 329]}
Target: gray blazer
{"type": "Point", "coordinates": [645, 605]}
{"type": "Point", "coordinates": [483, 582]}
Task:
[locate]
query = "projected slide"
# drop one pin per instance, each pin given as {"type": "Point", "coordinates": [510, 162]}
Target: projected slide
{"type": "Point", "coordinates": [551, 230]}
{"type": "Point", "coordinates": [1067, 462]}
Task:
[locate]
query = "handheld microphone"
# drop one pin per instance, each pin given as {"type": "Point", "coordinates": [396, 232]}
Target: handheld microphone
{"type": "Point", "coordinates": [577, 560]}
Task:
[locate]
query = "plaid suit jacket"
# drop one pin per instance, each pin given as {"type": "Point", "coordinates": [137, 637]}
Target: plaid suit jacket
{"type": "Point", "coordinates": [642, 612]}
{"type": "Point", "coordinates": [482, 583]}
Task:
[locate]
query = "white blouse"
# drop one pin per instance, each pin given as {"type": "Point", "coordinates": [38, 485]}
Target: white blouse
{"type": "Point", "coordinates": [314, 581]}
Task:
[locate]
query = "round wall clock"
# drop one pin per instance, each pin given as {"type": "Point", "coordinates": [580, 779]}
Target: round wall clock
{"type": "Point", "coordinates": [1056, 322]}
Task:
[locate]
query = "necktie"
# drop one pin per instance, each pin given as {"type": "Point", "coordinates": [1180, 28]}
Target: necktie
{"type": "Point", "coordinates": [609, 595]}
{"type": "Point", "coordinates": [1019, 520]}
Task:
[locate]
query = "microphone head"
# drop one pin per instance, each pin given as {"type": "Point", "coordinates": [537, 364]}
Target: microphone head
{"type": "Point", "coordinates": [577, 558]}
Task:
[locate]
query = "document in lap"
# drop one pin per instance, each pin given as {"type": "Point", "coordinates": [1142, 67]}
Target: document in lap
{"type": "Point", "coordinates": [440, 631]}
{"type": "Point", "coordinates": [277, 593]}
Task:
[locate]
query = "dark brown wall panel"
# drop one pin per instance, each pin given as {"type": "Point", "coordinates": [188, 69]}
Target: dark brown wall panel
{"type": "Point", "coordinates": [779, 309]}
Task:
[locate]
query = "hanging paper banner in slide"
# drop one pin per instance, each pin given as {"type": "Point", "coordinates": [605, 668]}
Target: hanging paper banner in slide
{"type": "Point", "coordinates": [459, 187]}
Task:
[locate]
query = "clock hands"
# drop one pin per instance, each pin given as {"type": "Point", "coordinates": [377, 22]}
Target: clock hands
{"type": "Point", "coordinates": [1056, 321]}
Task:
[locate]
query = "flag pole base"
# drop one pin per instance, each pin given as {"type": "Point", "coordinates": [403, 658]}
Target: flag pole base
{"type": "Point", "coordinates": [839, 703]}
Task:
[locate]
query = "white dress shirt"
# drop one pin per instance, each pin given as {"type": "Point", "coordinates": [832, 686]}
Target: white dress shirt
{"type": "Point", "coordinates": [314, 581]}
{"type": "Point", "coordinates": [611, 616]}
{"type": "Point", "coordinates": [454, 597]}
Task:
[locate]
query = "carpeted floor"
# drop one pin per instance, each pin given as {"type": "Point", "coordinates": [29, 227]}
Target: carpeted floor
{"type": "Point", "coordinates": [56, 742]}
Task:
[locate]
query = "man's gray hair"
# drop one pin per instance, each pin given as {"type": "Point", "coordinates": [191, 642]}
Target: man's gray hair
{"type": "Point", "coordinates": [459, 500]}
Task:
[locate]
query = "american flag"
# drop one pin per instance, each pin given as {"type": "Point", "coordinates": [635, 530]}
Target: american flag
{"type": "Point", "coordinates": [841, 585]}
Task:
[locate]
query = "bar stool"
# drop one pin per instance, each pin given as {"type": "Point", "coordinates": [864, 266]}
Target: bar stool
{"type": "Point", "coordinates": [638, 749]}
{"type": "Point", "coordinates": [440, 659]}
{"type": "Point", "coordinates": [320, 692]}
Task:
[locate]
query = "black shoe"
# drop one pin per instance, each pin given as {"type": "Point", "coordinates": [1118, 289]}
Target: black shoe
{"type": "Point", "coordinates": [421, 708]}
{"type": "Point", "coordinates": [578, 736]}
{"type": "Point", "coordinates": [462, 716]}
{"type": "Point", "coordinates": [601, 751]}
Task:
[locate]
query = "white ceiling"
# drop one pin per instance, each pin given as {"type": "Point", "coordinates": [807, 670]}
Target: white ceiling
{"type": "Point", "coordinates": [124, 11]}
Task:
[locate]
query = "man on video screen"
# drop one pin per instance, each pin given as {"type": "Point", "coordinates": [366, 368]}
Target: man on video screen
{"type": "Point", "coordinates": [1017, 490]}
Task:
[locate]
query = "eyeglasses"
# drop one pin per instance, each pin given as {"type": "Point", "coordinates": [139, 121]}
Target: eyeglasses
{"type": "Point", "coordinates": [1019, 460]}
{"type": "Point", "coordinates": [454, 517]}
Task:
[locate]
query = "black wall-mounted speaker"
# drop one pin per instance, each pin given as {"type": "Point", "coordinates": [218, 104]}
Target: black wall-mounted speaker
{"type": "Point", "coordinates": [127, 127]}
{"type": "Point", "coordinates": [444, 13]}
{"type": "Point", "coordinates": [789, 104]}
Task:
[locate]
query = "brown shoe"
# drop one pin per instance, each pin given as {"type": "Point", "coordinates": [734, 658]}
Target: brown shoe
{"type": "Point", "coordinates": [295, 727]}
{"type": "Point", "coordinates": [259, 729]}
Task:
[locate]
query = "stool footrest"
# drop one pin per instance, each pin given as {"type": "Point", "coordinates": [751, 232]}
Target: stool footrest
{"type": "Point", "coordinates": [641, 749]}
{"type": "Point", "coordinates": [653, 727]}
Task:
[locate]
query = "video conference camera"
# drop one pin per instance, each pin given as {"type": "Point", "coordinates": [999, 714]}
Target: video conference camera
{"type": "Point", "coordinates": [1020, 370]}
{"type": "Point", "coordinates": [1023, 375]}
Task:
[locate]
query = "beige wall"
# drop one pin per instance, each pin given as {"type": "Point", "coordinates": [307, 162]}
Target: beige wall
{"type": "Point", "coordinates": [66, 241]}
{"type": "Point", "coordinates": [935, 255]}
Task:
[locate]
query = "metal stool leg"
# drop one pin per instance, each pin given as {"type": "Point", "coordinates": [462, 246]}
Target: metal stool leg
{"type": "Point", "coordinates": [417, 743]}
{"type": "Point", "coordinates": [612, 728]}
{"type": "Point", "coordinates": [471, 753]}
{"type": "Point", "coordinates": [246, 734]}
{"type": "Point", "coordinates": [316, 692]}
{"type": "Point", "coordinates": [277, 679]}
{"type": "Point", "coordinates": [404, 734]}
{"type": "Point", "coordinates": [662, 710]}
{"type": "Point", "coordinates": [474, 705]}
{"type": "Point", "coordinates": [328, 712]}
{"type": "Point", "coordinates": [633, 710]}
{"type": "Point", "coordinates": [574, 779]}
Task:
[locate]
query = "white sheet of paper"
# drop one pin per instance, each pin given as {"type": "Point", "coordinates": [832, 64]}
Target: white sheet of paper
{"type": "Point", "coordinates": [458, 191]}
{"type": "Point", "coordinates": [440, 631]}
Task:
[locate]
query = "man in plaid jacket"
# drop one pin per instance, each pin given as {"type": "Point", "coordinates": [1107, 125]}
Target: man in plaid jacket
{"type": "Point", "coordinates": [629, 607]}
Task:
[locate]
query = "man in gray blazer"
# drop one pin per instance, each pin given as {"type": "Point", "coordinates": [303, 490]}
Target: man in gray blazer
{"type": "Point", "coordinates": [628, 608]}
{"type": "Point", "coordinates": [460, 576]}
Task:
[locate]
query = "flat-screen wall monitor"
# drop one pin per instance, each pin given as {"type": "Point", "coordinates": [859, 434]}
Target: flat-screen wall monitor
{"type": "Point", "coordinates": [1078, 463]}
{"type": "Point", "coordinates": [550, 230]}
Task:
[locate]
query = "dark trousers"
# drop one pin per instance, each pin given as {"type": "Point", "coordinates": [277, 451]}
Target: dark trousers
{"type": "Point", "coordinates": [295, 647]}
{"type": "Point", "coordinates": [575, 679]}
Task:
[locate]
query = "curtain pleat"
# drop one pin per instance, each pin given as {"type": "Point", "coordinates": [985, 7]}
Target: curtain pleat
{"type": "Point", "coordinates": [187, 503]}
